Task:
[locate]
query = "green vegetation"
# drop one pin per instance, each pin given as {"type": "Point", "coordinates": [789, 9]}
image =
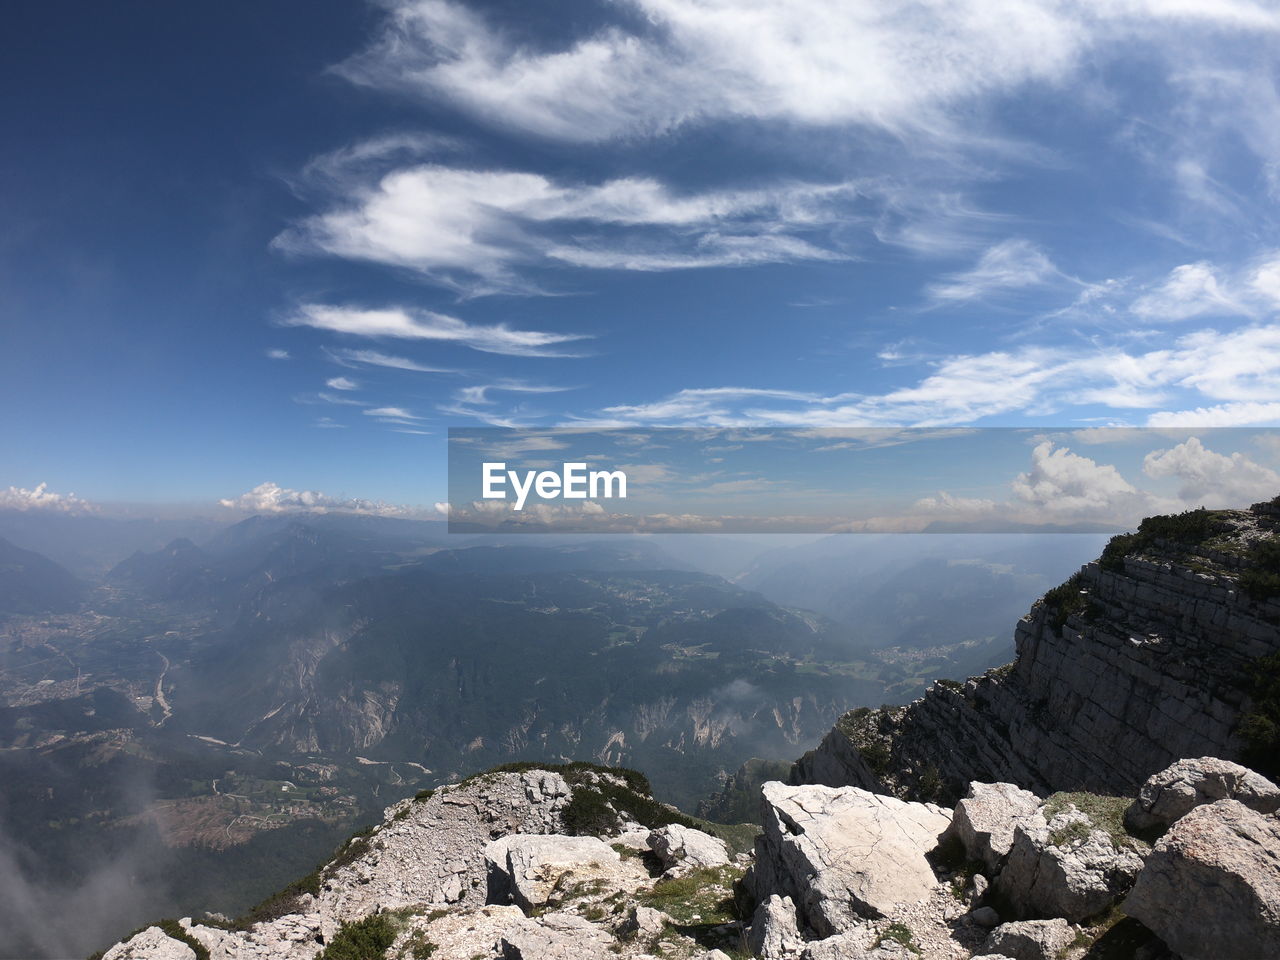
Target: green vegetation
{"type": "Point", "coordinates": [1260, 727]}
{"type": "Point", "coordinates": [1262, 580]}
{"type": "Point", "coordinates": [705, 896]}
{"type": "Point", "coordinates": [1105, 813]}
{"type": "Point", "coordinates": [900, 934]}
{"type": "Point", "coordinates": [1193, 528]}
{"type": "Point", "coordinates": [367, 939]}
{"type": "Point", "coordinates": [1065, 600]}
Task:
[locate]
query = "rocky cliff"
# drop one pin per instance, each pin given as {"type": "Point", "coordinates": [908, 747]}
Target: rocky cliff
{"type": "Point", "coordinates": [1146, 655]}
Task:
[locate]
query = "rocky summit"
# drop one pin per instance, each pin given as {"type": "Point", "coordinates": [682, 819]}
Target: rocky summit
{"type": "Point", "coordinates": [579, 861]}
{"type": "Point", "coordinates": [1109, 795]}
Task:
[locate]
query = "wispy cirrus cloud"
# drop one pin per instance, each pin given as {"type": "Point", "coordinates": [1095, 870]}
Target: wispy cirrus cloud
{"type": "Point", "coordinates": [376, 358]}
{"type": "Point", "coordinates": [477, 230]}
{"type": "Point", "coordinates": [409, 324]}
{"type": "Point", "coordinates": [1010, 265]}
{"type": "Point", "coordinates": [475, 402]}
{"type": "Point", "coordinates": [805, 61]}
{"type": "Point", "coordinates": [341, 383]}
{"type": "Point", "coordinates": [1239, 368]}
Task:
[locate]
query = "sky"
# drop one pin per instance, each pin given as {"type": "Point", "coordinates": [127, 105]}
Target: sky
{"type": "Point", "coordinates": [283, 245]}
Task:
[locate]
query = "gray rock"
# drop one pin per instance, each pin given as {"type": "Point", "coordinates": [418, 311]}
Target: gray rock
{"type": "Point", "coordinates": [150, 944]}
{"type": "Point", "coordinates": [985, 917]}
{"type": "Point", "coordinates": [1178, 789]}
{"type": "Point", "coordinates": [985, 819]}
{"type": "Point", "coordinates": [844, 854]}
{"type": "Point", "coordinates": [1211, 887]}
{"type": "Point", "coordinates": [1028, 940]}
{"type": "Point", "coordinates": [774, 934]}
{"type": "Point", "coordinates": [555, 937]}
{"type": "Point", "coordinates": [643, 922]}
{"type": "Point", "coordinates": [1075, 878]}
{"type": "Point", "coordinates": [855, 946]}
{"type": "Point", "coordinates": [681, 849]}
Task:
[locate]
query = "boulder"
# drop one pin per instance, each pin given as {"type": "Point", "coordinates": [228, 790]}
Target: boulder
{"type": "Point", "coordinates": [538, 868]}
{"type": "Point", "coordinates": [1211, 887]}
{"type": "Point", "coordinates": [1178, 789]}
{"type": "Point", "coordinates": [643, 922]}
{"type": "Point", "coordinates": [150, 944]}
{"type": "Point", "coordinates": [1028, 940]}
{"type": "Point", "coordinates": [844, 854]}
{"type": "Point", "coordinates": [985, 819]}
{"type": "Point", "coordinates": [681, 849]}
{"type": "Point", "coordinates": [985, 917]}
{"type": "Point", "coordinates": [774, 934]}
{"type": "Point", "coordinates": [555, 936]}
{"type": "Point", "coordinates": [1065, 867]}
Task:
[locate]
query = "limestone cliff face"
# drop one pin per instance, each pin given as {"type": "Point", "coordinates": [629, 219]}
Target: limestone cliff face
{"type": "Point", "coordinates": [1143, 657]}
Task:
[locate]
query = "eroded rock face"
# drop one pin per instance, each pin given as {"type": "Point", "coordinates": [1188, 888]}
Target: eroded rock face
{"type": "Point", "coordinates": [985, 820]}
{"type": "Point", "coordinates": [1211, 887]}
{"type": "Point", "coordinates": [1065, 867]}
{"type": "Point", "coordinates": [1181, 787]}
{"type": "Point", "coordinates": [681, 849]}
{"type": "Point", "coordinates": [538, 869]}
{"type": "Point", "coordinates": [150, 944]}
{"type": "Point", "coordinates": [843, 854]}
{"type": "Point", "coordinates": [774, 934]}
{"type": "Point", "coordinates": [555, 937]}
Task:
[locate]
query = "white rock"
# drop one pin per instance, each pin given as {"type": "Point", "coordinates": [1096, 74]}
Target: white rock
{"type": "Point", "coordinates": [542, 867]}
{"type": "Point", "coordinates": [844, 854]}
{"type": "Point", "coordinates": [681, 849]}
{"type": "Point", "coordinates": [984, 820]}
{"type": "Point", "coordinates": [1181, 787]}
{"type": "Point", "coordinates": [150, 944]}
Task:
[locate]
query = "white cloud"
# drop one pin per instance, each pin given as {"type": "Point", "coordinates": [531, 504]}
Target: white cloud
{"type": "Point", "coordinates": [394, 413]}
{"type": "Point", "coordinates": [377, 359]}
{"type": "Point", "coordinates": [272, 498]}
{"type": "Point", "coordinates": [895, 67]}
{"type": "Point", "coordinates": [408, 324]}
{"type": "Point", "coordinates": [1222, 415]}
{"type": "Point", "coordinates": [277, 354]}
{"type": "Point", "coordinates": [1191, 290]}
{"type": "Point", "coordinates": [42, 498]}
{"type": "Point", "coordinates": [1010, 265]}
{"type": "Point", "coordinates": [1212, 479]}
{"type": "Point", "coordinates": [476, 402]}
{"type": "Point", "coordinates": [472, 229]}
{"type": "Point", "coordinates": [1240, 366]}
{"type": "Point", "coordinates": [1060, 481]}
{"type": "Point", "coordinates": [341, 383]}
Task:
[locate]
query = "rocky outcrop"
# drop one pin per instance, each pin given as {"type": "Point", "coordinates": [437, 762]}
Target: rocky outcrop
{"type": "Point", "coordinates": [1178, 789]}
{"type": "Point", "coordinates": [985, 820]}
{"type": "Point", "coordinates": [1143, 658]}
{"type": "Point", "coordinates": [536, 870]}
{"type": "Point", "coordinates": [844, 855]}
{"type": "Point", "coordinates": [1211, 887]}
{"type": "Point", "coordinates": [774, 934]}
{"type": "Point", "coordinates": [150, 944]}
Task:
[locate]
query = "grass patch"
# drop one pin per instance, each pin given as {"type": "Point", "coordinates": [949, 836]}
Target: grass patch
{"type": "Point", "coordinates": [704, 897]}
{"type": "Point", "coordinates": [1105, 813]}
{"type": "Point", "coordinates": [1065, 600]}
{"type": "Point", "coordinates": [1262, 580]}
{"type": "Point", "coordinates": [900, 934]}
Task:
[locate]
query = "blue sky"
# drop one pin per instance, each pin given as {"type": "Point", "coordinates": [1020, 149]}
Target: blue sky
{"type": "Point", "coordinates": [291, 243]}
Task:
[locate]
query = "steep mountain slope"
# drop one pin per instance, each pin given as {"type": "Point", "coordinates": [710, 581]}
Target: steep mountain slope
{"type": "Point", "coordinates": [1148, 654]}
{"type": "Point", "coordinates": [678, 670]}
{"type": "Point", "coordinates": [31, 583]}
